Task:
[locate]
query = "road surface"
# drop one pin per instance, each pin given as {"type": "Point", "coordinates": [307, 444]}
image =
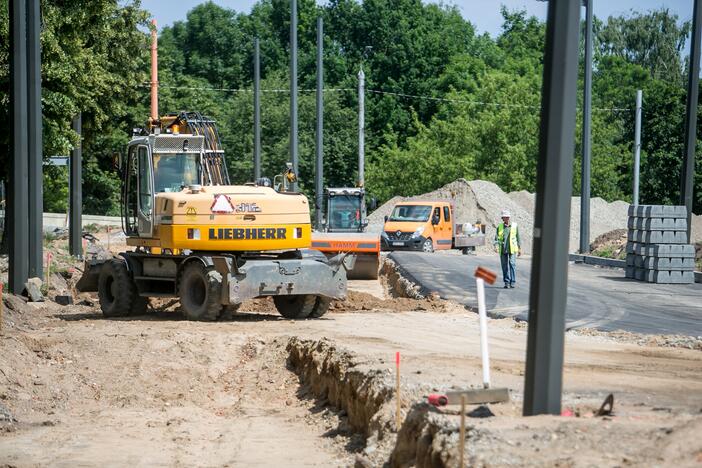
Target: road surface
{"type": "Point", "coordinates": [598, 298]}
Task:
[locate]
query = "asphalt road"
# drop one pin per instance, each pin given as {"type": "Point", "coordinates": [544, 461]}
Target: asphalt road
{"type": "Point", "coordinates": [598, 298]}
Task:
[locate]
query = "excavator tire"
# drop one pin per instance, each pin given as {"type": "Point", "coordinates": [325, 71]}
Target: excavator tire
{"type": "Point", "coordinates": [295, 306]}
{"type": "Point", "coordinates": [321, 307]}
{"type": "Point", "coordinates": [140, 305]}
{"type": "Point", "coordinates": [117, 292]}
{"type": "Point", "coordinates": [200, 292]}
{"type": "Point", "coordinates": [228, 311]}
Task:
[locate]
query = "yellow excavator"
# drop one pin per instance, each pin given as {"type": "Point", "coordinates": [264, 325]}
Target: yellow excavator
{"type": "Point", "coordinates": [200, 239]}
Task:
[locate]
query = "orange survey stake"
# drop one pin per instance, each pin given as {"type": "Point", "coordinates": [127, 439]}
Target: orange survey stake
{"type": "Point", "coordinates": [486, 275]}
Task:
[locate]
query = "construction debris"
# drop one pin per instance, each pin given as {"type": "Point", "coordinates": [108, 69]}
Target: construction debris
{"type": "Point", "coordinates": [33, 288]}
{"type": "Point", "coordinates": [64, 300]}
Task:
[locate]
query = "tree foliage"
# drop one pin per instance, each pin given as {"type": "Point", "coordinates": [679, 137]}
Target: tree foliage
{"type": "Point", "coordinates": [94, 58]}
{"type": "Point", "coordinates": [442, 102]}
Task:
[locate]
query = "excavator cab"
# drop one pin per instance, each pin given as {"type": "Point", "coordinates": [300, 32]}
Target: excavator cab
{"type": "Point", "coordinates": [157, 164]}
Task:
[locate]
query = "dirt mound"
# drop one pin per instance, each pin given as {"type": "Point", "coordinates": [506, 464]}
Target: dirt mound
{"type": "Point", "coordinates": [479, 200]}
{"type": "Point", "coordinates": [611, 244]}
{"type": "Point", "coordinates": [359, 301]}
{"type": "Point", "coordinates": [474, 201]}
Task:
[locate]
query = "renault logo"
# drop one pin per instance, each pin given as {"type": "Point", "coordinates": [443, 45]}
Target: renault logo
{"type": "Point", "coordinates": [398, 233]}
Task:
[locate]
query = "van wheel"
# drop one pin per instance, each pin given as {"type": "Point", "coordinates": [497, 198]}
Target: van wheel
{"type": "Point", "coordinates": [428, 246]}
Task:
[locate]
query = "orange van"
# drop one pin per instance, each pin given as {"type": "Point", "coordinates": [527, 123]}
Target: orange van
{"type": "Point", "coordinates": [419, 225]}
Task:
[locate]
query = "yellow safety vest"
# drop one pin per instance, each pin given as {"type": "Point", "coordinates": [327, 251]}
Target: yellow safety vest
{"type": "Point", "coordinates": [513, 244]}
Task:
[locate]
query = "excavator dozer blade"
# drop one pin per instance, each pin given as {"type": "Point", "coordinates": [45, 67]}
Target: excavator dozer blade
{"type": "Point", "coordinates": [366, 267]}
{"type": "Point", "coordinates": [91, 273]}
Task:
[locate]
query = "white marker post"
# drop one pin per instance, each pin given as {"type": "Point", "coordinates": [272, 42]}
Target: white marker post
{"type": "Point", "coordinates": [483, 332]}
{"type": "Point", "coordinates": [481, 276]}
{"type": "Point", "coordinates": [475, 396]}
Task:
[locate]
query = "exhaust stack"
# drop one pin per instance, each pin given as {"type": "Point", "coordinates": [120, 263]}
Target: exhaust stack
{"type": "Point", "coordinates": [154, 73]}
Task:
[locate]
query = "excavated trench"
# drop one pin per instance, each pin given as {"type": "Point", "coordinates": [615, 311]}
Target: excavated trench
{"type": "Point", "coordinates": [367, 396]}
{"type": "Point", "coordinates": [395, 283]}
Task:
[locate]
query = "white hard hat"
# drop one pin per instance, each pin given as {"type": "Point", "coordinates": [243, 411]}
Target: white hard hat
{"type": "Point", "coordinates": [505, 214]}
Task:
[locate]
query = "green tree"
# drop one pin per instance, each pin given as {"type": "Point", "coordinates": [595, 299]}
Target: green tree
{"type": "Point", "coordinates": [654, 41]}
{"type": "Point", "coordinates": [94, 62]}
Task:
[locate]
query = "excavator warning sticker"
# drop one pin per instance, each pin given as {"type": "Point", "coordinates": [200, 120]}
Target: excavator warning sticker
{"type": "Point", "coordinates": [222, 204]}
{"type": "Point", "coordinates": [246, 233]}
{"type": "Point", "coordinates": [191, 212]}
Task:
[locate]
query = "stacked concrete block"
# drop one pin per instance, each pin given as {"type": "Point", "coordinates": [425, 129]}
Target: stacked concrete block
{"type": "Point", "coordinates": [658, 250]}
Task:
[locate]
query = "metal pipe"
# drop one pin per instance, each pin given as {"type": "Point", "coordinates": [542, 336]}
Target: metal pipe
{"type": "Point", "coordinates": [154, 72]}
{"type": "Point", "coordinates": [688, 170]}
{"type": "Point", "coordinates": [257, 110]}
{"type": "Point", "coordinates": [34, 118]}
{"type": "Point", "coordinates": [637, 146]}
{"type": "Point", "coordinates": [293, 90]}
{"type": "Point", "coordinates": [543, 378]}
{"type": "Point", "coordinates": [75, 222]}
{"type": "Point", "coordinates": [319, 173]}
{"type": "Point", "coordinates": [18, 200]}
{"type": "Point", "coordinates": [586, 137]}
{"type": "Point", "coordinates": [361, 127]}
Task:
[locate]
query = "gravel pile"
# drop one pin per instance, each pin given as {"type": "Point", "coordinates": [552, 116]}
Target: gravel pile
{"type": "Point", "coordinates": [479, 200]}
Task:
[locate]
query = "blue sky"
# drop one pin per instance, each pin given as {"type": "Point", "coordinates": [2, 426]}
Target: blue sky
{"type": "Point", "coordinates": [484, 14]}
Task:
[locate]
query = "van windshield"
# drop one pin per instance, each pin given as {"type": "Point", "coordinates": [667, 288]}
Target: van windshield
{"type": "Point", "coordinates": [413, 213]}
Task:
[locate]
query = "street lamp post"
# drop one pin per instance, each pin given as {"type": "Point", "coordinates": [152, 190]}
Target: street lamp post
{"type": "Point", "coordinates": [586, 138]}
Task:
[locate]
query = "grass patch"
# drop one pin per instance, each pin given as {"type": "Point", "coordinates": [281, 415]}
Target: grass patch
{"type": "Point", "coordinates": [93, 228]}
{"type": "Point", "coordinates": [610, 251]}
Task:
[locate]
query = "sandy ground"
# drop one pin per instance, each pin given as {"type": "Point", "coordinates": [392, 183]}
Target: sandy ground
{"type": "Point", "coordinates": [155, 390]}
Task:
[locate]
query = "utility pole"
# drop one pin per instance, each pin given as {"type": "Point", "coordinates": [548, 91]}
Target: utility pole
{"type": "Point", "coordinates": [637, 146]}
{"type": "Point", "coordinates": [154, 73]}
{"type": "Point", "coordinates": [257, 110]}
{"type": "Point", "coordinates": [543, 379]}
{"type": "Point", "coordinates": [34, 118]}
{"type": "Point", "coordinates": [18, 202]}
{"type": "Point", "coordinates": [293, 89]}
{"type": "Point", "coordinates": [688, 170]}
{"type": "Point", "coordinates": [361, 127]}
{"type": "Point", "coordinates": [319, 149]}
{"type": "Point", "coordinates": [75, 222]}
{"type": "Point", "coordinates": [587, 119]}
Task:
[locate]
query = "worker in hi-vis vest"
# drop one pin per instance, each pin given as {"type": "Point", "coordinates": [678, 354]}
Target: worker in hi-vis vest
{"type": "Point", "coordinates": [508, 245]}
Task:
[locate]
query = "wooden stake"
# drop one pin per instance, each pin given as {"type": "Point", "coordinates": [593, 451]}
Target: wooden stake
{"type": "Point", "coordinates": [462, 437]}
{"type": "Point", "coordinates": [398, 420]}
{"type": "Point", "coordinates": [2, 307]}
{"type": "Point", "coordinates": [48, 271]}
